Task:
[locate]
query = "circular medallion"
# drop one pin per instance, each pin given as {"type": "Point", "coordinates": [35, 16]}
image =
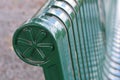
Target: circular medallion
{"type": "Point", "coordinates": [33, 44]}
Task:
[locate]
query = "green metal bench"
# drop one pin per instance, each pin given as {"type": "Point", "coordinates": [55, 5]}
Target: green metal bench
{"type": "Point", "coordinates": [66, 38]}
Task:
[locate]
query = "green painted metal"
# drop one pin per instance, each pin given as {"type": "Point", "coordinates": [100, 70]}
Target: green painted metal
{"type": "Point", "coordinates": [65, 38]}
{"type": "Point", "coordinates": [51, 60]}
{"type": "Point", "coordinates": [67, 64]}
{"type": "Point", "coordinates": [74, 55]}
{"type": "Point", "coordinates": [66, 21]}
{"type": "Point", "coordinates": [89, 30]}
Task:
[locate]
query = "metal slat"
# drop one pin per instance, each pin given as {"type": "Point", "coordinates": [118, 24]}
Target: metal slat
{"type": "Point", "coordinates": [67, 8]}
{"type": "Point", "coordinates": [72, 41]}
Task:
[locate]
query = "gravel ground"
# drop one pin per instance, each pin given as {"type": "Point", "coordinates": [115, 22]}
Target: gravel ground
{"type": "Point", "coordinates": [12, 14]}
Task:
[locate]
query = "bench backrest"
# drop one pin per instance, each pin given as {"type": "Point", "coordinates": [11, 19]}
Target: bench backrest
{"type": "Point", "coordinates": [66, 39]}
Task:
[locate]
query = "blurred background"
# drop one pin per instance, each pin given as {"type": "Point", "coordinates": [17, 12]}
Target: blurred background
{"type": "Point", "coordinates": [12, 14]}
